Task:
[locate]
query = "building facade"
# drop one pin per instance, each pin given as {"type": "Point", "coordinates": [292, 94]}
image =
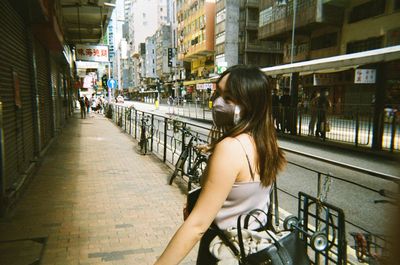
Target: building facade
{"type": "Point", "coordinates": [163, 46]}
{"type": "Point", "coordinates": [196, 20]}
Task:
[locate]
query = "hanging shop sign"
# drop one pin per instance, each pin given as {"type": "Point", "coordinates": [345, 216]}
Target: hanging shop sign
{"type": "Point", "coordinates": [94, 53]}
{"type": "Point", "coordinates": [204, 86]}
{"type": "Point", "coordinates": [365, 76]}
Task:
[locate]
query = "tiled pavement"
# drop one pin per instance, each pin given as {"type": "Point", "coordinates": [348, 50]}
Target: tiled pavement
{"type": "Point", "coordinates": [94, 200]}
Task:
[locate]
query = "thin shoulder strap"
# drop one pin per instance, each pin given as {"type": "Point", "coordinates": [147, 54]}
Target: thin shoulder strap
{"type": "Point", "coordinates": [247, 157]}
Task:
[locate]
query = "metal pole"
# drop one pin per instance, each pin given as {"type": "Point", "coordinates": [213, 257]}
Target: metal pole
{"type": "Point", "coordinates": [293, 29]}
{"type": "Point", "coordinates": [109, 89]}
{"type": "Point", "coordinates": [2, 163]}
{"type": "Point", "coordinates": [292, 42]}
{"type": "Point", "coordinates": [165, 139]}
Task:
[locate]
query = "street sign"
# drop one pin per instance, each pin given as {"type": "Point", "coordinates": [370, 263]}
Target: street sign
{"type": "Point", "coordinates": [111, 83]}
{"type": "Point", "coordinates": [170, 55]}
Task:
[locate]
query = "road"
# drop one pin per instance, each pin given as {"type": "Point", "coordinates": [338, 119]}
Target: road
{"type": "Point", "coordinates": [356, 202]}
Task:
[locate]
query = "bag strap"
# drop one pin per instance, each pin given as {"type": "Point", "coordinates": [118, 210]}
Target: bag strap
{"type": "Point", "coordinates": [247, 157]}
{"type": "Point", "coordinates": [276, 206]}
{"type": "Point", "coordinates": [281, 250]}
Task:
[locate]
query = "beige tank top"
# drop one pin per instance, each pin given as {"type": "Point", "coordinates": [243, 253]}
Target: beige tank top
{"type": "Point", "coordinates": [244, 197]}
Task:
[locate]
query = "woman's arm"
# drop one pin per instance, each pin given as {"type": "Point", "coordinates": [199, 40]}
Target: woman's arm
{"type": "Point", "coordinates": [224, 167]}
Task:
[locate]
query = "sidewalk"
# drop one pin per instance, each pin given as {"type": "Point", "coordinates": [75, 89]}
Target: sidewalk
{"type": "Point", "coordinates": [94, 200]}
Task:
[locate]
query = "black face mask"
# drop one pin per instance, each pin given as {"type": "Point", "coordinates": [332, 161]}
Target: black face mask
{"type": "Point", "coordinates": [224, 113]}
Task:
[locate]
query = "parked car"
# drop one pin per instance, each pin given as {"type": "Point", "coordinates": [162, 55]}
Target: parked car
{"type": "Point", "coordinates": [120, 99]}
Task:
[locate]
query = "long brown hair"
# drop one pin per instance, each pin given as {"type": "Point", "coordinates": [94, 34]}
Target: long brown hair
{"type": "Point", "coordinates": [249, 88]}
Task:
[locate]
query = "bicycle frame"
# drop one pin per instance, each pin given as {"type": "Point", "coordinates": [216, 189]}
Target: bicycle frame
{"type": "Point", "coordinates": [143, 138]}
{"type": "Point", "coordinates": [192, 166]}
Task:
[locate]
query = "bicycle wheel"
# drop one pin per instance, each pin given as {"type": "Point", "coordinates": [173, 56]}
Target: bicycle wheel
{"type": "Point", "coordinates": [178, 167]}
{"type": "Point", "coordinates": [142, 144]}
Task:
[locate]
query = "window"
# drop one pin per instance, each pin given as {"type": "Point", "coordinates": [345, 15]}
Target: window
{"type": "Point", "coordinates": [265, 17]}
{"type": "Point", "coordinates": [221, 15]}
{"type": "Point", "coordinates": [393, 37]}
{"type": "Point", "coordinates": [324, 41]}
{"type": "Point", "coordinates": [367, 10]}
{"type": "Point", "coordinates": [365, 45]}
{"type": "Point", "coordinates": [220, 38]}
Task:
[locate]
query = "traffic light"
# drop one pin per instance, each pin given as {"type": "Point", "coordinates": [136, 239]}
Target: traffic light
{"type": "Point", "coordinates": [104, 81]}
{"type": "Point", "coordinates": [170, 57]}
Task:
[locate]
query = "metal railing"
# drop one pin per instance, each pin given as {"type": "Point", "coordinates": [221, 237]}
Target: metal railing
{"type": "Point", "coordinates": [352, 124]}
{"type": "Point", "coordinates": [167, 143]}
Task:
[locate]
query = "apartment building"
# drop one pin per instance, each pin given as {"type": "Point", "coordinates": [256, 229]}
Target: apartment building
{"type": "Point", "coordinates": [196, 20]}
{"type": "Point", "coordinates": [163, 43]}
{"type": "Point", "coordinates": [335, 27]}
{"type": "Point", "coordinates": [238, 42]}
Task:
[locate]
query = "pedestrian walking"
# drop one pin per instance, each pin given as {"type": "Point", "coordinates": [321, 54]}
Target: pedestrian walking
{"type": "Point", "coordinates": [285, 103]}
{"type": "Point", "coordinates": [276, 110]}
{"type": "Point", "coordinates": [170, 104]}
{"type": "Point", "coordinates": [87, 104]}
{"type": "Point", "coordinates": [83, 107]}
{"type": "Point", "coordinates": [244, 163]}
{"type": "Point", "coordinates": [323, 105]}
{"type": "Point", "coordinates": [313, 106]}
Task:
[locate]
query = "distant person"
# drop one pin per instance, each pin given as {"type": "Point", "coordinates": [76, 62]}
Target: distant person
{"type": "Point", "coordinates": [83, 107]}
{"type": "Point", "coordinates": [276, 110]}
{"type": "Point", "coordinates": [323, 105]}
{"type": "Point", "coordinates": [285, 103]}
{"type": "Point", "coordinates": [93, 103]}
{"type": "Point", "coordinates": [170, 104]}
{"type": "Point", "coordinates": [87, 104]}
{"type": "Point", "coordinates": [313, 106]}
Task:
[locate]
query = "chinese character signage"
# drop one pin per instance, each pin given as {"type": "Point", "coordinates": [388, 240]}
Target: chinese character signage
{"type": "Point", "coordinates": [365, 76]}
{"type": "Point", "coordinates": [94, 53]}
{"type": "Point", "coordinates": [205, 86]}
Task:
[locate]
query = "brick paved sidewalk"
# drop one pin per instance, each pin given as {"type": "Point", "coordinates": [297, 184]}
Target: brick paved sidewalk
{"type": "Point", "coordinates": [94, 200]}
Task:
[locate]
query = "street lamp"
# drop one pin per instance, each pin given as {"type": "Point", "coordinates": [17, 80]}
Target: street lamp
{"type": "Point", "coordinates": [292, 92]}
{"type": "Point", "coordinates": [293, 29]}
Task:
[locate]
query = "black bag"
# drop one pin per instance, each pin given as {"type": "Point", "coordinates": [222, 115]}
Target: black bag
{"type": "Point", "coordinates": [288, 250]}
{"type": "Point", "coordinates": [291, 250]}
{"type": "Point", "coordinates": [285, 250]}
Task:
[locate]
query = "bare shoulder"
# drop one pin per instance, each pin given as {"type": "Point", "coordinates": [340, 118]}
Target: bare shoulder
{"type": "Point", "coordinates": [233, 145]}
{"type": "Point", "coordinates": [228, 143]}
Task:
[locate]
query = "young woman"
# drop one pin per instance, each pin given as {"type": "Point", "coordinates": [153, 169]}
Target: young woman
{"type": "Point", "coordinates": [243, 165]}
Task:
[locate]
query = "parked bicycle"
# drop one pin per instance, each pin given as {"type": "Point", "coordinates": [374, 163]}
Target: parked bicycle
{"type": "Point", "coordinates": [193, 157]}
{"type": "Point", "coordinates": [146, 133]}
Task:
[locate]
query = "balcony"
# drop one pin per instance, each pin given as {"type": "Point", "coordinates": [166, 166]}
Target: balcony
{"type": "Point", "coordinates": [336, 2]}
{"type": "Point", "coordinates": [276, 21]}
{"type": "Point", "coordinates": [263, 47]}
{"type": "Point", "coordinates": [249, 4]}
{"type": "Point", "coordinates": [252, 24]}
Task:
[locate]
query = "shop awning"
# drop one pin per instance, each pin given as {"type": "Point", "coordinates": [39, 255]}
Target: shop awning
{"type": "Point", "coordinates": [337, 63]}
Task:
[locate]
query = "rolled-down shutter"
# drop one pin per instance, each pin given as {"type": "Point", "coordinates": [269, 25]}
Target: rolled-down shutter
{"type": "Point", "coordinates": [15, 71]}
{"type": "Point", "coordinates": [45, 96]}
